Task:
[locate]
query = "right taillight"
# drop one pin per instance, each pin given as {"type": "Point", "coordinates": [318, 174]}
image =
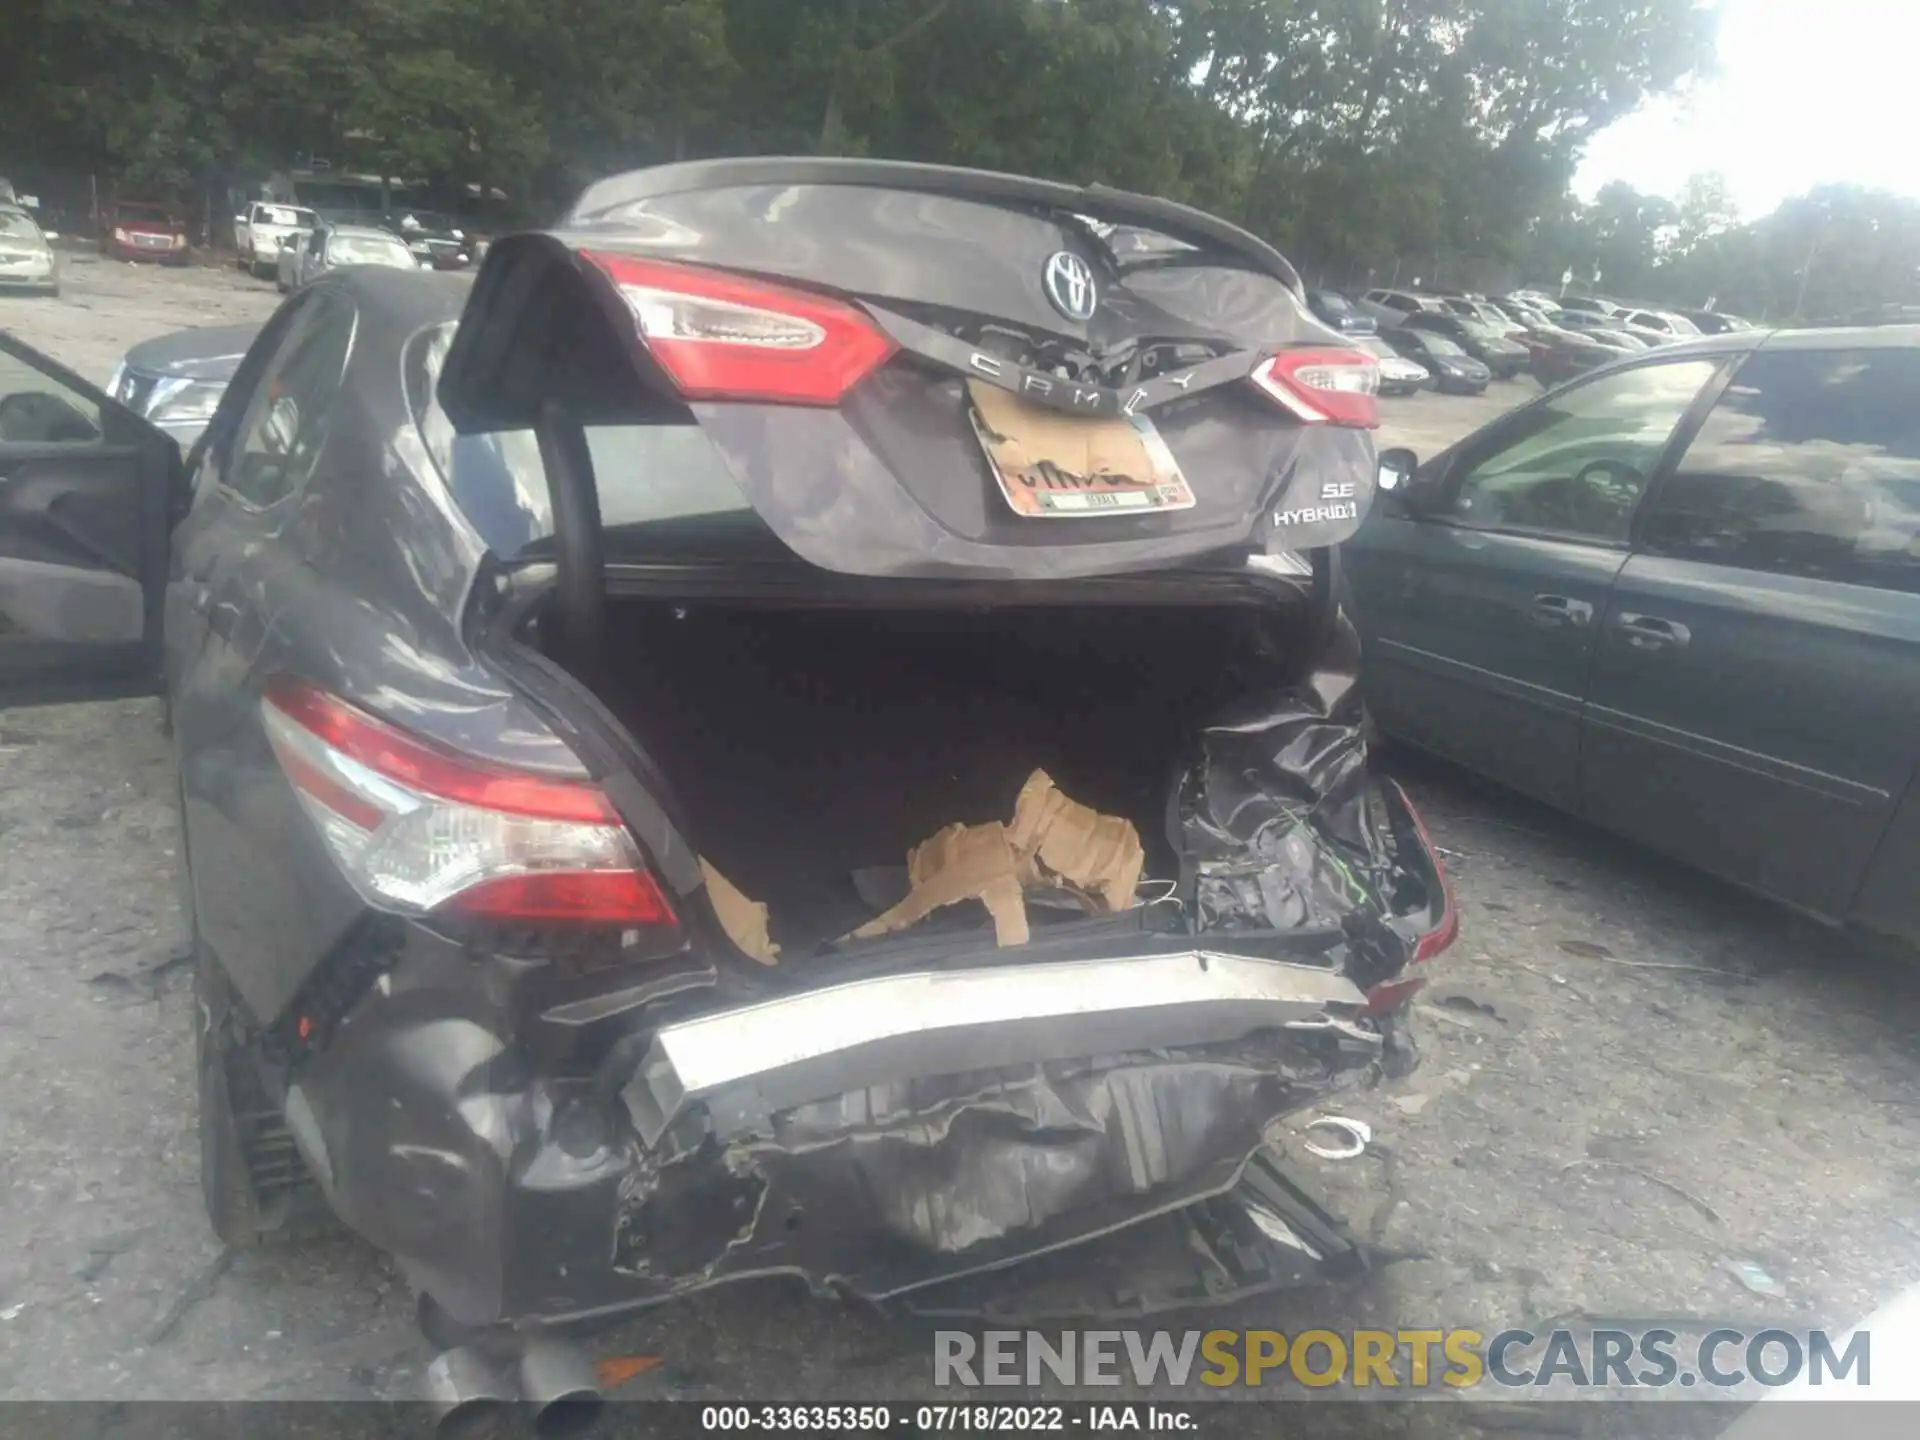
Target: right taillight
{"type": "Point", "coordinates": [1446, 927]}
{"type": "Point", "coordinates": [420, 830]}
{"type": "Point", "coordinates": [1324, 386]}
{"type": "Point", "coordinates": [1390, 995]}
{"type": "Point", "coordinates": [724, 337]}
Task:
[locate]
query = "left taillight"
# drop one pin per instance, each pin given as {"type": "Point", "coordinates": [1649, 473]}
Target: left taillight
{"type": "Point", "coordinates": [420, 830]}
{"type": "Point", "coordinates": [726, 337]}
{"type": "Point", "coordinates": [1323, 386]}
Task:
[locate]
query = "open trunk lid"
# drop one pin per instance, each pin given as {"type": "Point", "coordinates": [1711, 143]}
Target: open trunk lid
{"type": "Point", "coordinates": [917, 371]}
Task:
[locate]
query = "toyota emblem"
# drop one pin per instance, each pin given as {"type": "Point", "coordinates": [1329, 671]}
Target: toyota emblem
{"type": "Point", "coordinates": [1069, 284]}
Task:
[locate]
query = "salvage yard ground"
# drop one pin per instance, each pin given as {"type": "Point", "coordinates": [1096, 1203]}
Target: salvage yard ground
{"type": "Point", "coordinates": [1632, 1077]}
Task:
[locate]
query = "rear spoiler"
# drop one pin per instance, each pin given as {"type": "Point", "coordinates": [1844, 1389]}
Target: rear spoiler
{"type": "Point", "coordinates": [602, 202]}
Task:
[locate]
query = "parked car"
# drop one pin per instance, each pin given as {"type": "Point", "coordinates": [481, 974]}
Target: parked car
{"type": "Point", "coordinates": [513, 634]}
{"type": "Point", "coordinates": [259, 229]}
{"type": "Point", "coordinates": [432, 237]}
{"type": "Point", "coordinates": [1398, 374]}
{"type": "Point", "coordinates": [1658, 327]}
{"type": "Point", "coordinates": [144, 230]}
{"type": "Point", "coordinates": [304, 259]}
{"type": "Point", "coordinates": [1454, 371]}
{"type": "Point", "coordinates": [1601, 330]}
{"type": "Point", "coordinates": [1590, 304]}
{"type": "Point", "coordinates": [1390, 307]}
{"type": "Point", "coordinates": [1556, 354]}
{"type": "Point", "coordinates": [175, 382]}
{"type": "Point", "coordinates": [1680, 597]}
{"type": "Point", "coordinates": [1716, 322]}
{"type": "Point", "coordinates": [1341, 313]}
{"type": "Point", "coordinates": [1503, 357]}
{"type": "Point", "coordinates": [27, 261]}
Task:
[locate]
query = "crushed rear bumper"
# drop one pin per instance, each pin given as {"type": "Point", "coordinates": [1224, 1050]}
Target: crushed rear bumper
{"type": "Point", "coordinates": [877, 1138]}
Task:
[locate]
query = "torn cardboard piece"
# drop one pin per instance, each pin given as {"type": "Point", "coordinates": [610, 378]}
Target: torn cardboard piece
{"type": "Point", "coordinates": [1057, 838]}
{"type": "Point", "coordinates": [1052, 842]}
{"type": "Point", "coordinates": [744, 920]}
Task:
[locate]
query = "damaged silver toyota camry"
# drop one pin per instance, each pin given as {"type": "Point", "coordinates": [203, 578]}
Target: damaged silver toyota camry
{"type": "Point", "coordinates": [805, 726]}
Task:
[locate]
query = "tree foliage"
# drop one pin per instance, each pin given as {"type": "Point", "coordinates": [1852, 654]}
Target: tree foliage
{"type": "Point", "coordinates": [1350, 132]}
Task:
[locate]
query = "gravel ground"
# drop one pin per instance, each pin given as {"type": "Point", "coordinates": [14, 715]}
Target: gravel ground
{"type": "Point", "coordinates": [1631, 1077]}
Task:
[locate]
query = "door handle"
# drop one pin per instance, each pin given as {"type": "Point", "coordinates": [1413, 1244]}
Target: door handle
{"type": "Point", "coordinates": [1556, 611]}
{"type": "Point", "coordinates": [1650, 632]}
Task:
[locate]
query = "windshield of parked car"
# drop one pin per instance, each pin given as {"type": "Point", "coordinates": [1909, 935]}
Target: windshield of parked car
{"type": "Point", "coordinates": [1439, 344]}
{"type": "Point", "coordinates": [1334, 304]}
{"type": "Point", "coordinates": [1374, 345]}
{"type": "Point", "coordinates": [368, 250]}
{"type": "Point", "coordinates": [17, 225]}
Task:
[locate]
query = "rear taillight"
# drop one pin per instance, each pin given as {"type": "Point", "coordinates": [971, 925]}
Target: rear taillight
{"type": "Point", "coordinates": [418, 829]}
{"type": "Point", "coordinates": [723, 337]}
{"type": "Point", "coordinates": [1324, 386]}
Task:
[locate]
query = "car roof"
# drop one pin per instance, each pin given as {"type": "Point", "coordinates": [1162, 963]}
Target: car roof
{"type": "Point", "coordinates": [365, 232]}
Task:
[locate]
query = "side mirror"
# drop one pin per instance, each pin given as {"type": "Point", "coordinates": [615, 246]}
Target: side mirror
{"type": "Point", "coordinates": [1396, 469]}
{"type": "Point", "coordinates": [239, 219]}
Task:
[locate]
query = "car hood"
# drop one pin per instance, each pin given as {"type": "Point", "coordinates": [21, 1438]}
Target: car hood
{"type": "Point", "coordinates": [213, 352]}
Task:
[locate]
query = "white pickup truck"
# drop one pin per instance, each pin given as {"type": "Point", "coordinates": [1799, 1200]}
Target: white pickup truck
{"type": "Point", "coordinates": [258, 230]}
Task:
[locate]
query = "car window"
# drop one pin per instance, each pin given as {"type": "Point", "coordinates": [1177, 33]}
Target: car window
{"type": "Point", "coordinates": [1574, 467]}
{"type": "Point", "coordinates": [281, 215]}
{"type": "Point", "coordinates": [1438, 344]}
{"type": "Point", "coordinates": [280, 436]}
{"type": "Point", "coordinates": [1808, 465]}
{"type": "Point", "coordinates": [36, 409]}
{"type": "Point", "coordinates": [655, 482]}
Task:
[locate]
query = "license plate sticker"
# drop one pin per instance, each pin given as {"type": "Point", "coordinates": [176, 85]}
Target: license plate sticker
{"type": "Point", "coordinates": [1051, 465]}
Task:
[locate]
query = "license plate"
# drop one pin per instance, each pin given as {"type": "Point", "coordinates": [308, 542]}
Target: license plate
{"type": "Point", "coordinates": [1051, 465]}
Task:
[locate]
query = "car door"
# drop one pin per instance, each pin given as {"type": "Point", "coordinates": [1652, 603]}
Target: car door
{"type": "Point", "coordinates": [85, 487]}
{"type": "Point", "coordinates": [1477, 590]}
{"type": "Point", "coordinates": [240, 564]}
{"type": "Point", "coordinates": [1754, 702]}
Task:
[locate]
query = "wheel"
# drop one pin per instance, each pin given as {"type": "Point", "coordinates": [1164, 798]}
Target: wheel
{"type": "Point", "coordinates": [257, 1188]}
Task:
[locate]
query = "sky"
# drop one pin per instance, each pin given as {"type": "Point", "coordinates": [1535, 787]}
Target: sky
{"type": "Point", "coordinates": [1807, 91]}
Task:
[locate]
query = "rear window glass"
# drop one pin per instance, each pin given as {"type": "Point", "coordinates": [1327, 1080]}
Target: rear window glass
{"type": "Point", "coordinates": [281, 215]}
{"type": "Point", "coordinates": [367, 250]}
{"type": "Point", "coordinates": [655, 481]}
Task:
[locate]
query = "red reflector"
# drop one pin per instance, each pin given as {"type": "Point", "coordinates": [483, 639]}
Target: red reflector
{"type": "Point", "coordinates": [1448, 929]}
{"type": "Point", "coordinates": [725, 337]}
{"type": "Point", "coordinates": [605, 897]}
{"type": "Point", "coordinates": [418, 766]}
{"type": "Point", "coordinates": [1392, 994]}
{"type": "Point", "coordinates": [1324, 386]}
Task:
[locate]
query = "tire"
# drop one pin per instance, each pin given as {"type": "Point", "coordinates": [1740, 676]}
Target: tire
{"type": "Point", "coordinates": [257, 1188]}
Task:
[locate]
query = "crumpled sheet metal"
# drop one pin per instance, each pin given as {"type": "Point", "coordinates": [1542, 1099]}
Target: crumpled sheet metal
{"type": "Point", "coordinates": [1277, 814]}
{"type": "Point", "coordinates": [887, 1189]}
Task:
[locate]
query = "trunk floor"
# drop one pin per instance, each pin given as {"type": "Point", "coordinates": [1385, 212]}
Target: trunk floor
{"type": "Point", "coordinates": [806, 745]}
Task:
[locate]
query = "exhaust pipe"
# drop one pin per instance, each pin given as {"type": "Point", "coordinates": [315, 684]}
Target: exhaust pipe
{"type": "Point", "coordinates": [558, 1381]}
{"type": "Point", "coordinates": [469, 1393]}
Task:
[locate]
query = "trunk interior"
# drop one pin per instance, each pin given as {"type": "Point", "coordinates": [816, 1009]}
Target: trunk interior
{"type": "Point", "coordinates": [805, 745]}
